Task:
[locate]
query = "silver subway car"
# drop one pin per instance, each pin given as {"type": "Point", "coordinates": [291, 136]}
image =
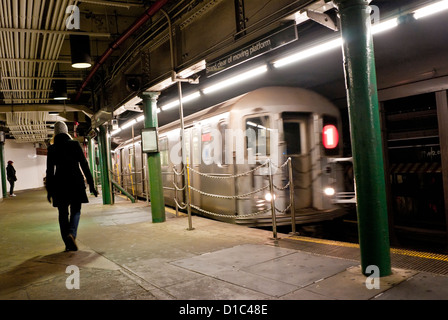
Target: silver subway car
{"type": "Point", "coordinates": [239, 155]}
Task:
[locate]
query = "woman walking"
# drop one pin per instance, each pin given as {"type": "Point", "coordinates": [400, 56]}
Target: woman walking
{"type": "Point", "coordinates": [65, 182]}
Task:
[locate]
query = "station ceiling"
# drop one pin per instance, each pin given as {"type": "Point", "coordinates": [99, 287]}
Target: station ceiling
{"type": "Point", "coordinates": [35, 50]}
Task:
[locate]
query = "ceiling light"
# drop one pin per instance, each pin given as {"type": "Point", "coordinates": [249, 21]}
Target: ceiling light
{"type": "Point", "coordinates": [383, 26]}
{"type": "Point", "coordinates": [80, 51]}
{"type": "Point", "coordinates": [431, 9]}
{"type": "Point", "coordinates": [170, 105]}
{"type": "Point", "coordinates": [60, 90]}
{"type": "Point", "coordinates": [185, 99]}
{"type": "Point", "coordinates": [301, 55]}
{"type": "Point", "coordinates": [115, 132]}
{"type": "Point", "coordinates": [234, 80]}
{"type": "Point", "coordinates": [128, 124]}
{"type": "Point", "coordinates": [329, 45]}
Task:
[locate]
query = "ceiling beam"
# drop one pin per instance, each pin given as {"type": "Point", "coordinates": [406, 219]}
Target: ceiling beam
{"type": "Point", "coordinates": [46, 107]}
{"type": "Point", "coordinates": [34, 60]}
{"type": "Point", "coordinates": [60, 32]}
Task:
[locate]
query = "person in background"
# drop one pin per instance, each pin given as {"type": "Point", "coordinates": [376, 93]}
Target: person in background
{"type": "Point", "coordinates": [65, 182]}
{"type": "Point", "coordinates": [11, 177]}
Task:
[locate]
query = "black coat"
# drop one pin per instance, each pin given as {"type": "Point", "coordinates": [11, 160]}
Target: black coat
{"type": "Point", "coordinates": [11, 173]}
{"type": "Point", "coordinates": [65, 182]}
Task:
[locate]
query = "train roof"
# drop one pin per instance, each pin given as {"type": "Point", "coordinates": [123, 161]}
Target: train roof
{"type": "Point", "coordinates": [308, 100]}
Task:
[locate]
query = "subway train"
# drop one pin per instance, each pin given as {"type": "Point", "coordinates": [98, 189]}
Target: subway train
{"type": "Point", "coordinates": [240, 155]}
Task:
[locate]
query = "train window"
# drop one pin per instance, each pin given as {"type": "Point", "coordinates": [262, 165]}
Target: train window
{"type": "Point", "coordinates": [257, 135]}
{"type": "Point", "coordinates": [163, 149]}
{"type": "Point", "coordinates": [293, 139]}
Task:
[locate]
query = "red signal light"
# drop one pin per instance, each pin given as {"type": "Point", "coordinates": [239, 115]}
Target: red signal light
{"type": "Point", "coordinates": [330, 136]}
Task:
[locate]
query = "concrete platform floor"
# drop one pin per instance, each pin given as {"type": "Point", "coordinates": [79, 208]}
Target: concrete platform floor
{"type": "Point", "coordinates": [124, 256]}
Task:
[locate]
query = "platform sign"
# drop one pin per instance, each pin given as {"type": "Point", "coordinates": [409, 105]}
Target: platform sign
{"type": "Point", "coordinates": [277, 38]}
{"type": "Point", "coordinates": [150, 143]}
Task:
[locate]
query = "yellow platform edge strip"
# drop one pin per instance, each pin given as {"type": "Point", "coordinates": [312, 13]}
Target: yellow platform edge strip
{"type": "Point", "coordinates": [411, 253]}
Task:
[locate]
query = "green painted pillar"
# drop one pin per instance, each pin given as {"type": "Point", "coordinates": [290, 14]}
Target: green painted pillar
{"type": "Point", "coordinates": [90, 150]}
{"type": "Point", "coordinates": [106, 187]}
{"type": "Point", "coordinates": [109, 165]}
{"type": "Point", "coordinates": [362, 98]}
{"type": "Point", "coordinates": [3, 169]}
{"type": "Point", "coordinates": [154, 165]}
{"type": "Point", "coordinates": [96, 153]}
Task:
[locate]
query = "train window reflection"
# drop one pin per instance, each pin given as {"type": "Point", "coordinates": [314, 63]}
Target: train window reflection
{"type": "Point", "coordinates": [257, 135]}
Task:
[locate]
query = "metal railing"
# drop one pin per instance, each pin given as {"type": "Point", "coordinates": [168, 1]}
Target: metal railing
{"type": "Point", "coordinates": [130, 181]}
{"type": "Point", "coordinates": [188, 188]}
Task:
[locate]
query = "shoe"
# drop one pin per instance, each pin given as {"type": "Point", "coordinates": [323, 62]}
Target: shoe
{"type": "Point", "coordinates": [71, 243]}
{"type": "Point", "coordinates": [12, 195]}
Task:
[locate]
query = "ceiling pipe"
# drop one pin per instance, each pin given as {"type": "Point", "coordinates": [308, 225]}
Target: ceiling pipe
{"type": "Point", "coordinates": [124, 36]}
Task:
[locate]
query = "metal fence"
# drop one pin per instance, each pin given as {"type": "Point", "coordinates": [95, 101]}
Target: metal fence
{"type": "Point", "coordinates": [272, 167]}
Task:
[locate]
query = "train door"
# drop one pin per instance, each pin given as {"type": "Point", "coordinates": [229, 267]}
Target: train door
{"type": "Point", "coordinates": [138, 169]}
{"type": "Point", "coordinates": [295, 128]}
{"type": "Point", "coordinates": [212, 163]}
{"type": "Point", "coordinates": [167, 172]}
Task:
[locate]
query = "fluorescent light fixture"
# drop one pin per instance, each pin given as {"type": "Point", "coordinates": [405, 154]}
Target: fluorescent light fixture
{"type": "Point", "coordinates": [185, 99]}
{"type": "Point", "coordinates": [301, 55]}
{"type": "Point", "coordinates": [115, 132]}
{"type": "Point", "coordinates": [329, 45]}
{"type": "Point", "coordinates": [141, 118]}
{"type": "Point", "coordinates": [431, 9]}
{"type": "Point", "coordinates": [170, 105]}
{"type": "Point", "coordinates": [128, 124]}
{"type": "Point", "coordinates": [383, 26]}
{"type": "Point", "coordinates": [192, 96]}
{"type": "Point", "coordinates": [234, 80]}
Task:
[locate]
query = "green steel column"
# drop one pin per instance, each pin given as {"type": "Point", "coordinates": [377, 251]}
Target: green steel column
{"type": "Point", "coordinates": [2, 169]}
{"type": "Point", "coordinates": [96, 154]}
{"type": "Point", "coordinates": [362, 98]}
{"type": "Point", "coordinates": [154, 165]}
{"type": "Point", "coordinates": [109, 166]}
{"type": "Point", "coordinates": [91, 158]}
{"type": "Point", "coordinates": [106, 188]}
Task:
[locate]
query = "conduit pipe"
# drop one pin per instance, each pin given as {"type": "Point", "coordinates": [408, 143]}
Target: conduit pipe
{"type": "Point", "coordinates": [124, 36]}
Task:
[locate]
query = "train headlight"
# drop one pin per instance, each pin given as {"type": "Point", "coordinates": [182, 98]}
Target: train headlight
{"type": "Point", "coordinates": [329, 191]}
{"type": "Point", "coordinates": [268, 196]}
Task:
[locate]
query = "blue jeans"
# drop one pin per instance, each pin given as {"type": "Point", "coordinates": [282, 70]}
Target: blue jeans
{"type": "Point", "coordinates": [69, 226]}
